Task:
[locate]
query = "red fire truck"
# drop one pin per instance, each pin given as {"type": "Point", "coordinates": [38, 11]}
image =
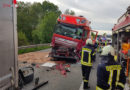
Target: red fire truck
{"type": "Point", "coordinates": [121, 39]}
{"type": "Point", "coordinates": [69, 36]}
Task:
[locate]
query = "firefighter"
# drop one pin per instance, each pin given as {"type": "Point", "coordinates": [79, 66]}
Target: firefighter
{"type": "Point", "coordinates": [87, 57]}
{"type": "Point", "coordinates": [106, 43]}
{"type": "Point", "coordinates": [95, 46]}
{"type": "Point", "coordinates": [110, 75]}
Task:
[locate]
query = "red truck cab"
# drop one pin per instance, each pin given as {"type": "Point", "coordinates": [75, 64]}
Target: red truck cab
{"type": "Point", "coordinates": [69, 36]}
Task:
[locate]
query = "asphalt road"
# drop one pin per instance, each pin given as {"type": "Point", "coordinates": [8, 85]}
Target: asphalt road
{"type": "Point", "coordinates": [72, 81]}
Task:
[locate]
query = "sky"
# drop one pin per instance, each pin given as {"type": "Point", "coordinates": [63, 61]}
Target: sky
{"type": "Point", "coordinates": [103, 14]}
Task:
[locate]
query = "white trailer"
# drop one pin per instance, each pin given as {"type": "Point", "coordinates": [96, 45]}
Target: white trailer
{"type": "Point", "coordinates": [8, 46]}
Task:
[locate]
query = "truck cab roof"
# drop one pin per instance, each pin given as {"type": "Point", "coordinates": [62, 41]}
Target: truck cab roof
{"type": "Point", "coordinates": [74, 20]}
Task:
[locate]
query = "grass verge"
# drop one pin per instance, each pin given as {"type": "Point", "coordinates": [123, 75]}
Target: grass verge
{"type": "Point", "coordinates": [22, 51]}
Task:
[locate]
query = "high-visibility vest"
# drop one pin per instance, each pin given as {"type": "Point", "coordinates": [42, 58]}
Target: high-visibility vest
{"type": "Point", "coordinates": [105, 43]}
{"type": "Point", "coordinates": [87, 61]}
{"type": "Point", "coordinates": [111, 69]}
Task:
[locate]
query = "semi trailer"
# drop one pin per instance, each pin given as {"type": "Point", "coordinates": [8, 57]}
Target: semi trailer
{"type": "Point", "coordinates": [8, 46]}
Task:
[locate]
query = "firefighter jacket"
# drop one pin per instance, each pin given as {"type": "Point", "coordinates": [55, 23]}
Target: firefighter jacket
{"type": "Point", "coordinates": [96, 45]}
{"type": "Point", "coordinates": [105, 43]}
{"type": "Point", "coordinates": [87, 55]}
{"type": "Point", "coordinates": [110, 75]}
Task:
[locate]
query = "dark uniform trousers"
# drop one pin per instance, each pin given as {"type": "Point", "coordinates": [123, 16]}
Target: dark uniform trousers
{"type": "Point", "coordinates": [86, 61]}
{"type": "Point", "coordinates": [86, 72]}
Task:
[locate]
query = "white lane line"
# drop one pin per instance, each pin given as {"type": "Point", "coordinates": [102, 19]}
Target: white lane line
{"type": "Point", "coordinates": [81, 86]}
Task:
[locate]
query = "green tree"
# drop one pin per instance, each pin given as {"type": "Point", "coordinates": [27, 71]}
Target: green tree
{"type": "Point", "coordinates": [22, 40]}
{"type": "Point", "coordinates": [72, 12]}
{"type": "Point", "coordinates": [29, 17]}
{"type": "Point", "coordinates": [44, 30]}
{"type": "Point", "coordinates": [69, 12]}
{"type": "Point", "coordinates": [50, 7]}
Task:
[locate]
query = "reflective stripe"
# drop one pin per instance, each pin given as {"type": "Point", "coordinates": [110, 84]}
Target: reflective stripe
{"type": "Point", "coordinates": [111, 68]}
{"type": "Point", "coordinates": [105, 43]}
{"type": "Point", "coordinates": [94, 53]}
{"type": "Point", "coordinates": [86, 64]}
{"type": "Point", "coordinates": [115, 58]}
{"type": "Point", "coordinates": [121, 84]}
{"type": "Point", "coordinates": [89, 57]}
{"type": "Point", "coordinates": [110, 78]}
{"type": "Point", "coordinates": [89, 60]}
{"type": "Point", "coordinates": [85, 80]}
{"type": "Point", "coordinates": [98, 88]}
{"type": "Point", "coordinates": [117, 77]}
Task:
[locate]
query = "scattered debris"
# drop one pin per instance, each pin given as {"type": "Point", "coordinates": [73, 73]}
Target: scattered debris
{"type": "Point", "coordinates": [26, 74]}
{"type": "Point", "coordinates": [63, 68]}
{"type": "Point", "coordinates": [67, 68]}
{"type": "Point", "coordinates": [33, 64]}
{"type": "Point", "coordinates": [63, 72]}
{"type": "Point", "coordinates": [36, 81]}
{"type": "Point", "coordinates": [40, 85]}
{"type": "Point", "coordinates": [49, 64]}
{"type": "Point", "coordinates": [48, 70]}
{"type": "Point", "coordinates": [37, 66]}
{"type": "Point", "coordinates": [60, 62]}
{"type": "Point", "coordinates": [24, 62]}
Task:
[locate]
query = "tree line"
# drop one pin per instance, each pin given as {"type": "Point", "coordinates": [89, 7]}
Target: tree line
{"type": "Point", "coordinates": [35, 22]}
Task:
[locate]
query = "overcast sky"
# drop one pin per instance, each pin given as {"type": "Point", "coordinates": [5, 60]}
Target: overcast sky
{"type": "Point", "coordinates": [103, 14]}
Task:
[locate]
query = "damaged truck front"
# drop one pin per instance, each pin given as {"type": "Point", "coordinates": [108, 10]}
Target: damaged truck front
{"type": "Point", "coordinates": [69, 36]}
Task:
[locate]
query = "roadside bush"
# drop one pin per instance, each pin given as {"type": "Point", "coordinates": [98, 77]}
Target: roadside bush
{"type": "Point", "coordinates": [32, 49]}
{"type": "Point", "coordinates": [22, 39]}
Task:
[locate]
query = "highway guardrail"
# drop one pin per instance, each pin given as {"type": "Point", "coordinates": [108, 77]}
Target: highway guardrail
{"type": "Point", "coordinates": [33, 46]}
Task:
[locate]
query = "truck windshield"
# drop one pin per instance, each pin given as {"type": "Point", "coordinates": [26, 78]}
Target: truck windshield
{"type": "Point", "coordinates": [73, 32]}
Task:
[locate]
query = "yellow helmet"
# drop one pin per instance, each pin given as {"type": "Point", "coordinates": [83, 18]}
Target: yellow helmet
{"type": "Point", "coordinates": [108, 50]}
{"type": "Point", "coordinates": [89, 41]}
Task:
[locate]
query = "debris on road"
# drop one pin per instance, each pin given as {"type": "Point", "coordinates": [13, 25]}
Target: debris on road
{"type": "Point", "coordinates": [33, 64]}
{"type": "Point", "coordinates": [37, 66]}
{"type": "Point", "coordinates": [63, 68]}
{"type": "Point", "coordinates": [36, 81]}
{"type": "Point", "coordinates": [48, 64]}
{"type": "Point", "coordinates": [24, 62]}
{"type": "Point", "coordinates": [67, 68]}
{"type": "Point", "coordinates": [26, 74]}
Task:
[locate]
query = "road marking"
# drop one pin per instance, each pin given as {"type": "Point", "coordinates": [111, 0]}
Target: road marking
{"type": "Point", "coordinates": [126, 87]}
{"type": "Point", "coordinates": [81, 86]}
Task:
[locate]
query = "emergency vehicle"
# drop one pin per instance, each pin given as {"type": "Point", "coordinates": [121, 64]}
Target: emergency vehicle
{"type": "Point", "coordinates": [121, 39]}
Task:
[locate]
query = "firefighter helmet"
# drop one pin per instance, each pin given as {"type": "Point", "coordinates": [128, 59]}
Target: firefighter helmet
{"type": "Point", "coordinates": [108, 50]}
{"type": "Point", "coordinates": [89, 41]}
